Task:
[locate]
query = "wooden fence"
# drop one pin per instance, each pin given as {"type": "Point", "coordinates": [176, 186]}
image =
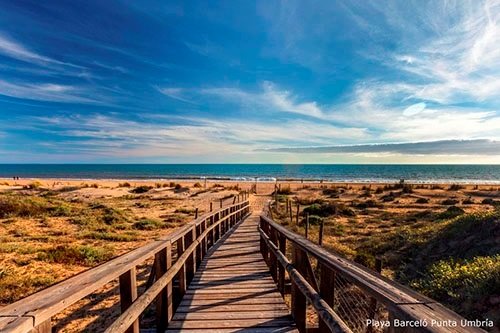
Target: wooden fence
{"type": "Point", "coordinates": [191, 242]}
{"type": "Point", "coordinates": [344, 294]}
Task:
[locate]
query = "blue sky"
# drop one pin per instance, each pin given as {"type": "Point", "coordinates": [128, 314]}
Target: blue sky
{"type": "Point", "coordinates": [242, 81]}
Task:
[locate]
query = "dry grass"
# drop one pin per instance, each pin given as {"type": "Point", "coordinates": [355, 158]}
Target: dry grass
{"type": "Point", "coordinates": [54, 230]}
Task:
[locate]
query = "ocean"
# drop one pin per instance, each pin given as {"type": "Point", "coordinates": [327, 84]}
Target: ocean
{"type": "Point", "coordinates": [488, 174]}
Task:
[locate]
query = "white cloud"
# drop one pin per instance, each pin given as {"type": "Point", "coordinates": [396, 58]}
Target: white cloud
{"type": "Point", "coordinates": [48, 92]}
{"type": "Point", "coordinates": [175, 93]}
{"type": "Point", "coordinates": [14, 49]}
{"type": "Point", "coordinates": [270, 97]}
{"type": "Point", "coordinates": [414, 109]}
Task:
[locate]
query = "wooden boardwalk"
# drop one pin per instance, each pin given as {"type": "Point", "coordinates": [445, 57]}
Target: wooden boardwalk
{"type": "Point", "coordinates": [233, 291]}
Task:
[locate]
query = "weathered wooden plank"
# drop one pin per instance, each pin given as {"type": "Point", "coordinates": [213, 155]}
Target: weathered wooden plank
{"type": "Point", "coordinates": [234, 298]}
{"type": "Point", "coordinates": [231, 315]}
{"type": "Point", "coordinates": [285, 329]}
{"type": "Point", "coordinates": [236, 323]}
{"type": "Point", "coordinates": [210, 307]}
{"type": "Point", "coordinates": [128, 294]}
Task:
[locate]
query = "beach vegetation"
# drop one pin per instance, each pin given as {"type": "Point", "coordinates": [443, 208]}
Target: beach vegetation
{"type": "Point", "coordinates": [422, 201]}
{"type": "Point", "coordinates": [141, 189]}
{"type": "Point", "coordinates": [185, 210]}
{"type": "Point", "coordinates": [111, 236]}
{"type": "Point", "coordinates": [125, 184]}
{"type": "Point", "coordinates": [35, 185]}
{"type": "Point", "coordinates": [14, 205]}
{"type": "Point", "coordinates": [449, 202]}
{"type": "Point", "coordinates": [285, 190]}
{"type": "Point", "coordinates": [451, 212]}
{"type": "Point", "coordinates": [148, 224]}
{"type": "Point", "coordinates": [197, 185]}
{"type": "Point", "coordinates": [76, 255]}
{"type": "Point", "coordinates": [455, 187]}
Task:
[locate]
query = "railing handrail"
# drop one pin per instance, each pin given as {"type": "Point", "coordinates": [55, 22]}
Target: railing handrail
{"type": "Point", "coordinates": [33, 310]}
{"type": "Point", "coordinates": [400, 300]}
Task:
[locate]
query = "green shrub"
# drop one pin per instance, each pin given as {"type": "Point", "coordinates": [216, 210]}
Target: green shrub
{"type": "Point", "coordinates": [451, 212]}
{"type": "Point", "coordinates": [388, 197]}
{"type": "Point", "coordinates": [331, 192]}
{"type": "Point", "coordinates": [126, 184]}
{"type": "Point", "coordinates": [113, 216]}
{"type": "Point", "coordinates": [455, 187]}
{"type": "Point", "coordinates": [466, 285]}
{"type": "Point", "coordinates": [21, 206]}
{"type": "Point", "coordinates": [184, 210]}
{"type": "Point", "coordinates": [368, 204]}
{"type": "Point", "coordinates": [313, 220]}
{"type": "Point", "coordinates": [489, 201]}
{"type": "Point", "coordinates": [141, 189]}
{"type": "Point", "coordinates": [449, 202]}
{"type": "Point", "coordinates": [80, 255]}
{"type": "Point", "coordinates": [422, 200]}
{"type": "Point", "coordinates": [33, 185]}
{"type": "Point", "coordinates": [468, 201]}
{"type": "Point", "coordinates": [319, 210]}
{"type": "Point", "coordinates": [109, 236]}
{"type": "Point", "coordinates": [148, 224]}
{"type": "Point", "coordinates": [197, 185]}
{"type": "Point", "coordinates": [285, 190]}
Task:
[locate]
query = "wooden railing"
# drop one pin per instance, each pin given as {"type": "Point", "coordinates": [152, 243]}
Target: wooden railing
{"type": "Point", "coordinates": [191, 242]}
{"type": "Point", "coordinates": [338, 289]}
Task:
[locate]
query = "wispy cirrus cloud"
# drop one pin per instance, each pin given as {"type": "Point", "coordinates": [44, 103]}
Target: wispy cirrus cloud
{"type": "Point", "coordinates": [48, 92]}
{"type": "Point", "coordinates": [13, 49]}
{"type": "Point", "coordinates": [460, 60]}
{"type": "Point", "coordinates": [269, 97]}
{"type": "Point", "coordinates": [175, 93]}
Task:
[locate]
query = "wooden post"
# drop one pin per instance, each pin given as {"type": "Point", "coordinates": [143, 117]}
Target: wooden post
{"type": "Point", "coordinates": [281, 276]}
{"type": "Point", "coordinates": [204, 240]}
{"type": "Point", "coordinates": [181, 275]}
{"type": "Point", "coordinates": [297, 216]}
{"type": "Point", "coordinates": [45, 327]}
{"type": "Point", "coordinates": [128, 294]}
{"type": "Point", "coordinates": [299, 304]}
{"type": "Point", "coordinates": [307, 225]}
{"type": "Point", "coordinates": [263, 246]}
{"type": "Point", "coordinates": [372, 311]}
{"type": "Point", "coordinates": [320, 236]}
{"type": "Point", "coordinates": [234, 200]}
{"type": "Point", "coordinates": [326, 291]}
{"type": "Point", "coordinates": [211, 206]}
{"type": "Point", "coordinates": [196, 213]}
{"type": "Point", "coordinates": [273, 262]}
{"type": "Point", "coordinates": [164, 306]}
{"type": "Point", "coordinates": [199, 253]}
{"type": "Point", "coordinates": [190, 265]}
